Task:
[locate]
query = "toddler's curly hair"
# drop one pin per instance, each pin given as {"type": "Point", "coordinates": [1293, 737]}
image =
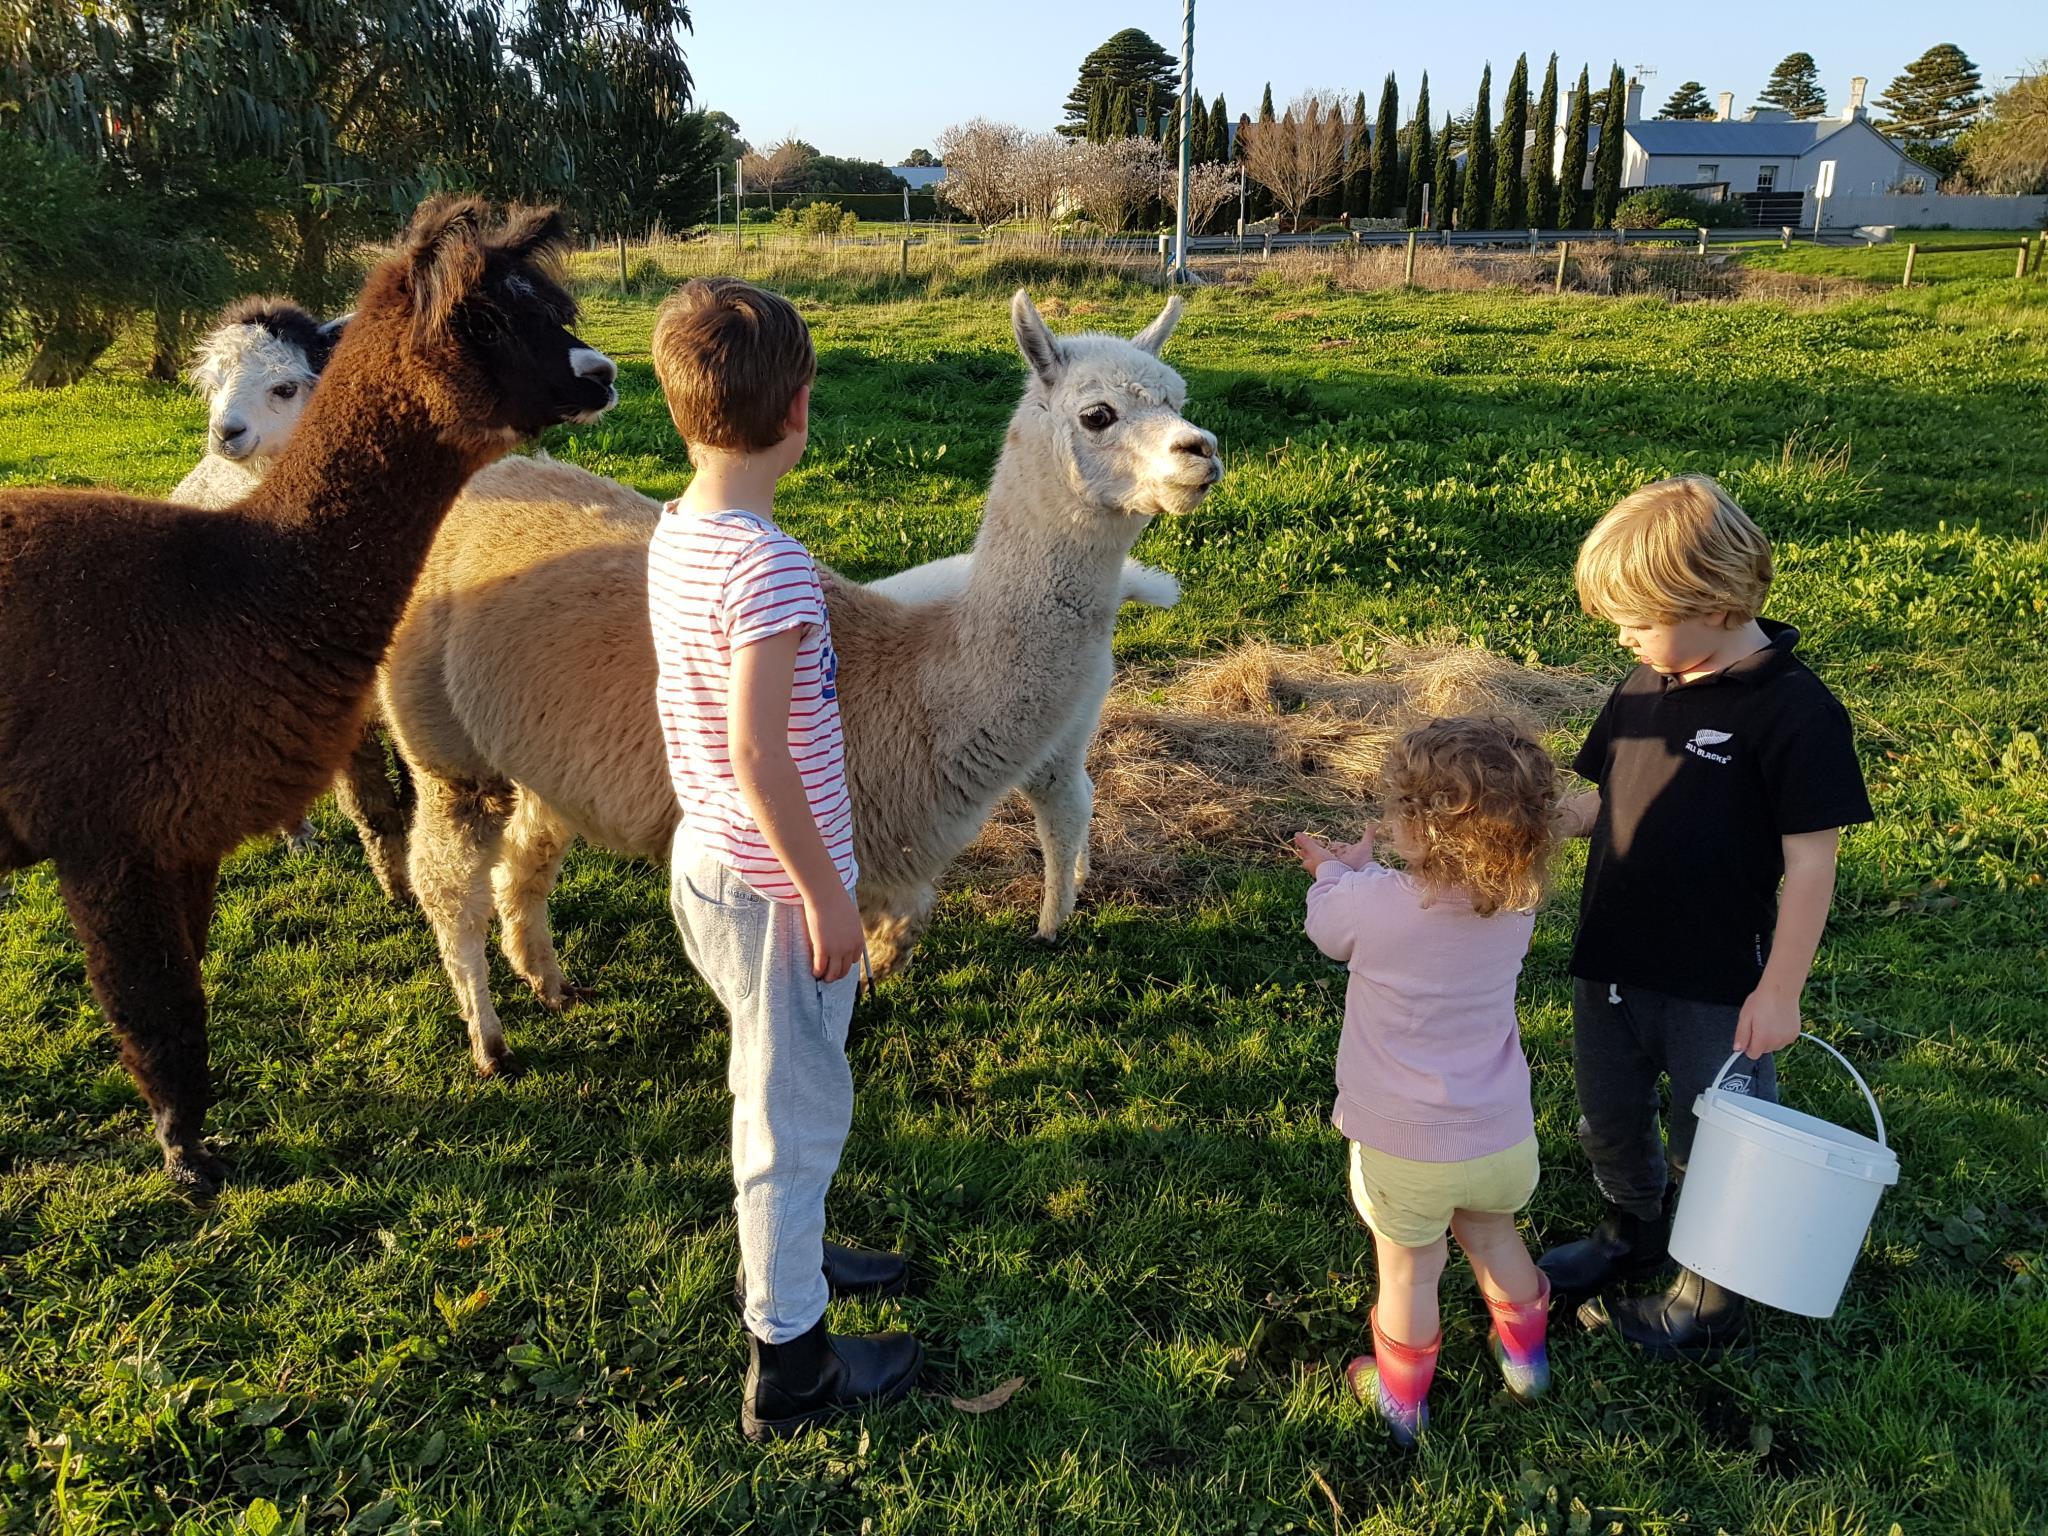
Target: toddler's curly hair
{"type": "Point", "coordinates": [1479, 794]}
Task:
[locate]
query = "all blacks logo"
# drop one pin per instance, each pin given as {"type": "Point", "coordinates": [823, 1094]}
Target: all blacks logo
{"type": "Point", "coordinates": [1703, 741]}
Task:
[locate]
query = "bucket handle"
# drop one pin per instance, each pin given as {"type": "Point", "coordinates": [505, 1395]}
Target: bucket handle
{"type": "Point", "coordinates": [1868, 1097]}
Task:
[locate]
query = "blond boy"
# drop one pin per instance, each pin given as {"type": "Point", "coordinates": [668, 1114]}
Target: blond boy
{"type": "Point", "coordinates": [1724, 768]}
{"type": "Point", "coordinates": [762, 873]}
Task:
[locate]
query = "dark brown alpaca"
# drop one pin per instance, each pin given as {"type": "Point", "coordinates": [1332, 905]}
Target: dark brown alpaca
{"type": "Point", "coordinates": [173, 680]}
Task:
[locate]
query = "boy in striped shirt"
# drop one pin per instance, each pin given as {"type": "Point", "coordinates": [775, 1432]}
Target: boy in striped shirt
{"type": "Point", "coordinates": [762, 870]}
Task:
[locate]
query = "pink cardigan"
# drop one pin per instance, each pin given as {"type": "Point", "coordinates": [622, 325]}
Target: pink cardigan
{"type": "Point", "coordinates": [1430, 1066]}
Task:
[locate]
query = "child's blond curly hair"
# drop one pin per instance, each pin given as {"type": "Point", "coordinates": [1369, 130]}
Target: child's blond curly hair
{"type": "Point", "coordinates": [1478, 794]}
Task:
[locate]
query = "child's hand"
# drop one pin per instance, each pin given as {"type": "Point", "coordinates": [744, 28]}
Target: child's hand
{"type": "Point", "coordinates": [1359, 854]}
{"type": "Point", "coordinates": [1769, 1021]}
{"type": "Point", "coordinates": [1313, 853]}
{"type": "Point", "coordinates": [833, 927]}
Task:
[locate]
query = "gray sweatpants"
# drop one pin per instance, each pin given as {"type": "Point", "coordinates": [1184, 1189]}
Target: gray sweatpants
{"type": "Point", "coordinates": [792, 1091]}
{"type": "Point", "coordinates": [1623, 1040]}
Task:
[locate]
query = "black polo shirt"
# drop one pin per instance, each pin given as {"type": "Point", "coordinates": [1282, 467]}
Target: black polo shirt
{"type": "Point", "coordinates": [1698, 782]}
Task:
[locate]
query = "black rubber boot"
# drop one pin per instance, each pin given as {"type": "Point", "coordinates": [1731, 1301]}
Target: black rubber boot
{"type": "Point", "coordinates": [1623, 1246]}
{"type": "Point", "coordinates": [822, 1375]}
{"type": "Point", "coordinates": [848, 1272]}
{"type": "Point", "coordinates": [1694, 1320]}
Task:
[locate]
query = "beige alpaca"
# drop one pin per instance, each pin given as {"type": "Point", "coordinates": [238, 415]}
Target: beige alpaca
{"type": "Point", "coordinates": [520, 685]}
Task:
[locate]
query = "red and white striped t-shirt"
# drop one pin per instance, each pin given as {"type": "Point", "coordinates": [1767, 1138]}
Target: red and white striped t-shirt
{"type": "Point", "coordinates": [716, 584]}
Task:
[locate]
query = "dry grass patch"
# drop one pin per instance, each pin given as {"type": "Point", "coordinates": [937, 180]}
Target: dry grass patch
{"type": "Point", "coordinates": [1223, 759]}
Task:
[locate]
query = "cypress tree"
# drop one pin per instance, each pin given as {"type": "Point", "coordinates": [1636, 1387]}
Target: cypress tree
{"type": "Point", "coordinates": [1444, 195]}
{"type": "Point", "coordinates": [1130, 58]}
{"type": "Point", "coordinates": [1219, 131]}
{"type": "Point", "coordinates": [1098, 113]}
{"type": "Point", "coordinates": [1358, 163]}
{"type": "Point", "coordinates": [1169, 138]}
{"type": "Point", "coordinates": [1387, 192]}
{"type": "Point", "coordinates": [1542, 157]}
{"type": "Point", "coordinates": [1509, 210]}
{"type": "Point", "coordinates": [1574, 208]}
{"type": "Point", "coordinates": [1151, 127]}
{"type": "Point", "coordinates": [1476, 211]}
{"type": "Point", "coordinates": [1123, 113]}
{"type": "Point", "coordinates": [1607, 167]}
{"type": "Point", "coordinates": [1266, 104]}
{"type": "Point", "coordinates": [1421, 155]}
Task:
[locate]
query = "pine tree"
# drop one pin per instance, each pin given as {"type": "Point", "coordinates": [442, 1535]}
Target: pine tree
{"type": "Point", "coordinates": [1476, 212]}
{"type": "Point", "coordinates": [1509, 209]}
{"type": "Point", "coordinates": [1098, 113]}
{"type": "Point", "coordinates": [1939, 95]}
{"type": "Point", "coordinates": [1387, 191]}
{"type": "Point", "coordinates": [1794, 87]}
{"type": "Point", "coordinates": [1543, 154]}
{"type": "Point", "coordinates": [1421, 155]}
{"type": "Point", "coordinates": [1574, 207]}
{"type": "Point", "coordinates": [1444, 196]}
{"type": "Point", "coordinates": [1687, 104]}
{"type": "Point", "coordinates": [1607, 166]}
{"type": "Point", "coordinates": [1358, 163]}
{"type": "Point", "coordinates": [1131, 58]}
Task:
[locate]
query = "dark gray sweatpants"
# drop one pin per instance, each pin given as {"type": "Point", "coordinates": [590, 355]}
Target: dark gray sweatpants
{"type": "Point", "coordinates": [1623, 1040]}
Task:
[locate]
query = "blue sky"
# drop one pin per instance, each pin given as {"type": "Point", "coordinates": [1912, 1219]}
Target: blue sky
{"type": "Point", "coordinates": [876, 80]}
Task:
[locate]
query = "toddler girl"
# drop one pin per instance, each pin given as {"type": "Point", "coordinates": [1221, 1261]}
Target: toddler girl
{"type": "Point", "coordinates": [1432, 1087]}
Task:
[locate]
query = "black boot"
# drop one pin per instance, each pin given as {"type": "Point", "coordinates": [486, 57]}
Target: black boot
{"type": "Point", "coordinates": [848, 1272]}
{"type": "Point", "coordinates": [1624, 1246]}
{"type": "Point", "coordinates": [1694, 1320]}
{"type": "Point", "coordinates": [821, 1375]}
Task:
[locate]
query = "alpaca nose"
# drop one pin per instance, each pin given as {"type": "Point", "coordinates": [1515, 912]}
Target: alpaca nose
{"type": "Point", "coordinates": [589, 363]}
{"type": "Point", "coordinates": [232, 437]}
{"type": "Point", "coordinates": [1195, 441]}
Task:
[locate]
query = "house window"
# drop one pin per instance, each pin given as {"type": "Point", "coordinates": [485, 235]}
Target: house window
{"type": "Point", "coordinates": [1766, 177]}
{"type": "Point", "coordinates": [1708, 173]}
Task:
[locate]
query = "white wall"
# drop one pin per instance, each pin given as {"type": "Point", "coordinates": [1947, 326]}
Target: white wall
{"type": "Point", "coordinates": [1958, 212]}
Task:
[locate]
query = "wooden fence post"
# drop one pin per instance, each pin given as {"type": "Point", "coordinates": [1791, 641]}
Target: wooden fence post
{"type": "Point", "coordinates": [1408, 267]}
{"type": "Point", "coordinates": [622, 261]}
{"type": "Point", "coordinates": [2041, 254]}
{"type": "Point", "coordinates": [903, 258]}
{"type": "Point", "coordinates": [2026, 249]}
{"type": "Point", "coordinates": [1563, 249]}
{"type": "Point", "coordinates": [1911, 251]}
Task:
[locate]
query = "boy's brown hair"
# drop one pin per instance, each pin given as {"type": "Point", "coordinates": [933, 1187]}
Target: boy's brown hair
{"type": "Point", "coordinates": [1675, 550]}
{"type": "Point", "coordinates": [730, 358]}
{"type": "Point", "coordinates": [1479, 795]}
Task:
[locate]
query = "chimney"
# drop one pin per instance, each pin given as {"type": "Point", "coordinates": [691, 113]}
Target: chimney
{"type": "Point", "coordinates": [1726, 114]}
{"type": "Point", "coordinates": [1634, 112]}
{"type": "Point", "coordinates": [1856, 85]}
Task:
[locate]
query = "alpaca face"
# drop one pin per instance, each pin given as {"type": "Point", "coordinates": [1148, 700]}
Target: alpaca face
{"type": "Point", "coordinates": [489, 318]}
{"type": "Point", "coordinates": [1108, 412]}
{"type": "Point", "coordinates": [257, 370]}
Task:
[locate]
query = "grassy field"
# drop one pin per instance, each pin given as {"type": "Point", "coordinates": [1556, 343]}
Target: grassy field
{"type": "Point", "coordinates": [433, 1303]}
{"type": "Point", "coordinates": [1886, 263]}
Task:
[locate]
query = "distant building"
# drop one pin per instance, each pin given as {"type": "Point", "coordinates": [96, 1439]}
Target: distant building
{"type": "Point", "coordinates": [921, 177]}
{"type": "Point", "coordinates": [1768, 160]}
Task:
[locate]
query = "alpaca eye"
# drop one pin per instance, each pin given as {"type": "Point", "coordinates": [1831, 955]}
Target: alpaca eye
{"type": "Point", "coordinates": [285, 391]}
{"type": "Point", "coordinates": [1097, 418]}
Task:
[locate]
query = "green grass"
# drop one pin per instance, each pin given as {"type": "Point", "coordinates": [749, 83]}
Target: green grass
{"type": "Point", "coordinates": [501, 1306]}
{"type": "Point", "coordinates": [1887, 263]}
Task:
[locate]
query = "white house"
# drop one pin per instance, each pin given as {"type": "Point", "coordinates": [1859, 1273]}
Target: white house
{"type": "Point", "coordinates": [1765, 154]}
{"type": "Point", "coordinates": [920, 177]}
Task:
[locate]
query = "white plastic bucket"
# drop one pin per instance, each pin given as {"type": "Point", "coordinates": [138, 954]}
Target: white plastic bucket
{"type": "Point", "coordinates": [1775, 1203]}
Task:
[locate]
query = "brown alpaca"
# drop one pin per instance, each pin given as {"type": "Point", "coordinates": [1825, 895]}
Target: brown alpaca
{"type": "Point", "coordinates": [175, 680]}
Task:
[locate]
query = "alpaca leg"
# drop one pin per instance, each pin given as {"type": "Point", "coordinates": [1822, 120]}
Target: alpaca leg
{"type": "Point", "coordinates": [1062, 799]}
{"type": "Point", "coordinates": [893, 922]}
{"type": "Point", "coordinates": [138, 924]}
{"type": "Point", "coordinates": [364, 793]}
{"type": "Point", "coordinates": [456, 830]}
{"type": "Point", "coordinates": [529, 863]}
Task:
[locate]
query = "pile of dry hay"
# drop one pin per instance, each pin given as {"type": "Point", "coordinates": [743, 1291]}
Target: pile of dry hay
{"type": "Point", "coordinates": [1224, 759]}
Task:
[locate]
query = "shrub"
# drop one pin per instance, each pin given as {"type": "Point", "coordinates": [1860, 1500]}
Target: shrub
{"type": "Point", "coordinates": [1674, 207]}
{"type": "Point", "coordinates": [756, 216]}
{"type": "Point", "coordinates": [817, 219]}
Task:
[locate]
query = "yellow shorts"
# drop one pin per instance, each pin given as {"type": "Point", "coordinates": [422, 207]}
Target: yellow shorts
{"type": "Point", "coordinates": [1412, 1203]}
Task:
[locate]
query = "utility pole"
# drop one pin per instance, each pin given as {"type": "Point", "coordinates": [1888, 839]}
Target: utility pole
{"type": "Point", "coordinates": [1182, 273]}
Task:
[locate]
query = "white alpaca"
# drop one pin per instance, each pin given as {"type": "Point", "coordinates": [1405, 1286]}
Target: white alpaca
{"type": "Point", "coordinates": [257, 368]}
{"type": "Point", "coordinates": [520, 685]}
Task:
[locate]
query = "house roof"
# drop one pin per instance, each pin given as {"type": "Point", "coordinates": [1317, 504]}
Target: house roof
{"type": "Point", "coordinates": [1702, 137]}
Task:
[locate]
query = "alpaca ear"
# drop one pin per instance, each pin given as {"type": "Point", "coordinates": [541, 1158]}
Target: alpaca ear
{"type": "Point", "coordinates": [325, 339]}
{"type": "Point", "coordinates": [1038, 344]}
{"type": "Point", "coordinates": [533, 234]}
{"type": "Point", "coordinates": [207, 372]}
{"type": "Point", "coordinates": [1153, 337]}
{"type": "Point", "coordinates": [445, 259]}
